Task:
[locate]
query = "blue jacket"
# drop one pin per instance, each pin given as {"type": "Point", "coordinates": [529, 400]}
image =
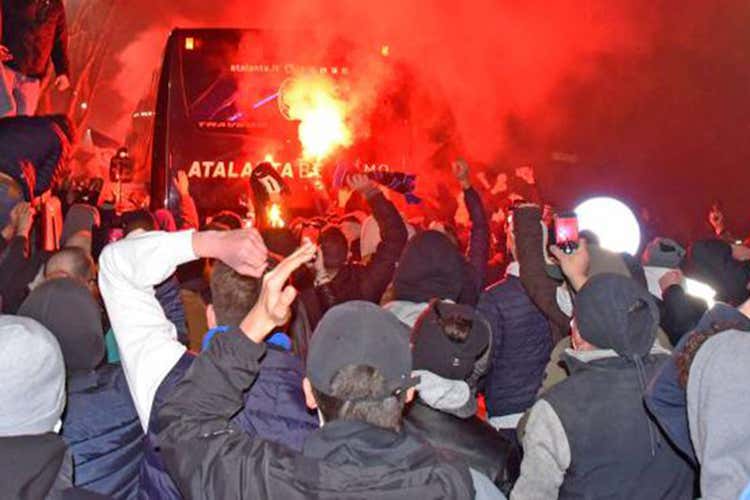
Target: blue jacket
{"type": "Point", "coordinates": [666, 398]}
{"type": "Point", "coordinates": [521, 347]}
{"type": "Point", "coordinates": [102, 429]}
{"type": "Point", "coordinates": [274, 410]}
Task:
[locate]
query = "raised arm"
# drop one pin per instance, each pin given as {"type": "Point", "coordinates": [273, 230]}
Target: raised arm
{"type": "Point", "coordinates": [541, 288]}
{"type": "Point", "coordinates": [379, 272]}
{"type": "Point", "coordinates": [479, 241]}
{"type": "Point", "coordinates": [129, 270]}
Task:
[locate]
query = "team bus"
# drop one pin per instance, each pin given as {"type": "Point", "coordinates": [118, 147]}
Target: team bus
{"type": "Point", "coordinates": [220, 111]}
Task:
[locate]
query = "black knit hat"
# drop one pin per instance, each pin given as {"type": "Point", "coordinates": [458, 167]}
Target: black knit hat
{"type": "Point", "coordinates": [435, 351]}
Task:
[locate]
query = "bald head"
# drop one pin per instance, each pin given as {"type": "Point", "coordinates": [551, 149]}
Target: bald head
{"type": "Point", "coordinates": [70, 262]}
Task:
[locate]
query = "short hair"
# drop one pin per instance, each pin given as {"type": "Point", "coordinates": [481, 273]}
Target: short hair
{"type": "Point", "coordinates": [225, 220]}
{"type": "Point", "coordinates": [138, 219]}
{"type": "Point", "coordinates": [232, 294]}
{"type": "Point", "coordinates": [357, 391]}
{"type": "Point", "coordinates": [70, 262]}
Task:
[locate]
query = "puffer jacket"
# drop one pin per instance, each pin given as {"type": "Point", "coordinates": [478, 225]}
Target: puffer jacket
{"type": "Point", "coordinates": [102, 429]}
{"type": "Point", "coordinates": [521, 347]}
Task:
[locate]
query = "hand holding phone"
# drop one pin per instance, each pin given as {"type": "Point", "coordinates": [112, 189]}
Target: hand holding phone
{"type": "Point", "coordinates": [566, 232]}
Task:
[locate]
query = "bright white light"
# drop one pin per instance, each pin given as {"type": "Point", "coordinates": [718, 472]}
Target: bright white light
{"type": "Point", "coordinates": [700, 290]}
{"type": "Point", "coordinates": [612, 221]}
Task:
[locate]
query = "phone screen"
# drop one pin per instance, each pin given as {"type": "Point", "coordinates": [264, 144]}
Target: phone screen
{"type": "Point", "coordinates": [566, 232]}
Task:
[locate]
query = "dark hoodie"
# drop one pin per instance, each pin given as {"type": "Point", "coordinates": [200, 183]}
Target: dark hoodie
{"type": "Point", "coordinates": [100, 424]}
{"type": "Point", "coordinates": [431, 267]}
{"type": "Point", "coordinates": [615, 449]}
{"type": "Point", "coordinates": [711, 262]}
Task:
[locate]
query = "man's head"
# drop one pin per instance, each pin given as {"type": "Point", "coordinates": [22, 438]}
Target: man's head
{"type": "Point", "coordinates": [32, 378]}
{"type": "Point", "coordinates": [72, 262]}
{"type": "Point", "coordinates": [334, 247]}
{"type": "Point", "coordinates": [232, 296]}
{"type": "Point", "coordinates": [138, 219]}
{"type": "Point", "coordinates": [448, 339]}
{"type": "Point", "coordinates": [615, 312]}
{"type": "Point", "coordinates": [663, 252]}
{"type": "Point", "coordinates": [67, 309]}
{"type": "Point", "coordinates": [359, 366]}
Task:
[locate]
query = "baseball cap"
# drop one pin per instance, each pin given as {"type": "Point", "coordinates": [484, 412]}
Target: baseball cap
{"type": "Point", "coordinates": [436, 352]}
{"type": "Point", "coordinates": [360, 333]}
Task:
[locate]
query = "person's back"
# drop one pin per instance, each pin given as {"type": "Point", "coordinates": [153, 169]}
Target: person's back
{"type": "Point", "coordinates": [100, 424]}
{"type": "Point", "coordinates": [450, 347]}
{"type": "Point", "coordinates": [522, 343]}
{"type": "Point", "coordinates": [590, 436]}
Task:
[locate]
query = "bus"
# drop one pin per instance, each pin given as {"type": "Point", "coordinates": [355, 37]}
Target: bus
{"type": "Point", "coordinates": [218, 114]}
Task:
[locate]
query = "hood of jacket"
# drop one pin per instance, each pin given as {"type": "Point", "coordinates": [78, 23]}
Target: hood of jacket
{"type": "Point", "coordinates": [430, 267]}
{"type": "Point", "coordinates": [69, 311]}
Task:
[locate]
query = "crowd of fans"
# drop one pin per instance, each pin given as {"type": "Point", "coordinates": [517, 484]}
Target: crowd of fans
{"type": "Point", "coordinates": [350, 355]}
{"type": "Point", "coordinates": [359, 355]}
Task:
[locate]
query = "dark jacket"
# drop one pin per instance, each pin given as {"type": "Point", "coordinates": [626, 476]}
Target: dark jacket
{"type": "Point", "coordinates": [616, 451]}
{"type": "Point", "coordinates": [666, 398]}
{"type": "Point", "coordinates": [17, 270]}
{"type": "Point", "coordinates": [679, 312]}
{"type": "Point", "coordinates": [37, 140]}
{"type": "Point", "coordinates": [103, 432]}
{"type": "Point", "coordinates": [274, 410]}
{"type": "Point", "coordinates": [34, 467]}
{"type": "Point", "coordinates": [471, 439]}
{"type": "Point", "coordinates": [711, 262]}
{"type": "Point", "coordinates": [521, 348]}
{"type": "Point", "coordinates": [208, 455]}
{"type": "Point", "coordinates": [366, 282]}
{"type": "Point", "coordinates": [541, 288]}
{"type": "Point", "coordinates": [35, 31]}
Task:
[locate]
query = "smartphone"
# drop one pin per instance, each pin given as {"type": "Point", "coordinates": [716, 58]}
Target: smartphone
{"type": "Point", "coordinates": [566, 232]}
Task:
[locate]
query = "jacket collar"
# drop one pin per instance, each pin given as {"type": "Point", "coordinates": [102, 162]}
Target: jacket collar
{"type": "Point", "coordinates": [580, 360]}
{"type": "Point", "coordinates": [350, 442]}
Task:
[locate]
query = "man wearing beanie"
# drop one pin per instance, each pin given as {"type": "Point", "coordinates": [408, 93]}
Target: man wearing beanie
{"type": "Point", "coordinates": [34, 460]}
{"type": "Point", "coordinates": [451, 350]}
{"type": "Point", "coordinates": [100, 424]}
{"type": "Point", "coordinates": [590, 436]}
{"type": "Point", "coordinates": [359, 378]}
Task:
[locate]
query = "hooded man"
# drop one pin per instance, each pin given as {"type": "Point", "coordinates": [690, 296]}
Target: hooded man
{"type": "Point", "coordinates": [34, 461]}
{"type": "Point", "coordinates": [590, 435]}
{"type": "Point", "coordinates": [451, 343]}
{"type": "Point", "coordinates": [430, 267]}
{"type": "Point", "coordinates": [100, 423]}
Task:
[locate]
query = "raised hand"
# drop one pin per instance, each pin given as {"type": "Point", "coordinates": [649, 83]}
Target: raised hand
{"type": "Point", "coordinates": [183, 183]}
{"type": "Point", "coordinates": [360, 183]}
{"type": "Point", "coordinates": [273, 307]}
{"type": "Point", "coordinates": [574, 265]}
{"type": "Point", "coordinates": [461, 171]}
{"type": "Point", "coordinates": [242, 249]}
